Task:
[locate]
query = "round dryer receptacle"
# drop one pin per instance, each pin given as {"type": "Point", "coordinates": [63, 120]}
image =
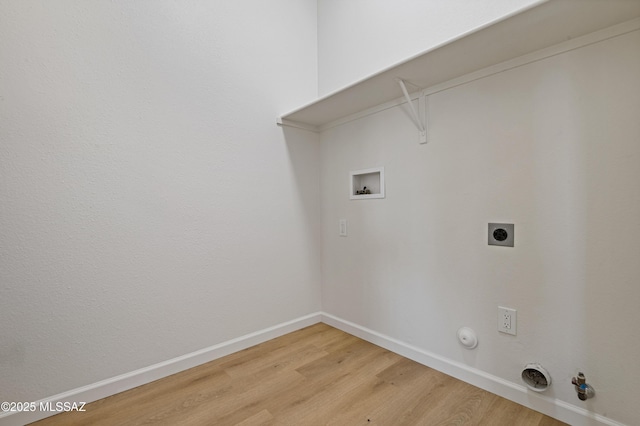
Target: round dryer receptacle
{"type": "Point", "coordinates": [536, 377]}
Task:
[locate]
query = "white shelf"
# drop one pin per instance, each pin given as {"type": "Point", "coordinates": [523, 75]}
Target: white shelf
{"type": "Point", "coordinates": [546, 24]}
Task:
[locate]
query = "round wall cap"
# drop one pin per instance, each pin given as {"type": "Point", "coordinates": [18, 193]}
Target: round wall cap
{"type": "Point", "coordinates": [467, 337]}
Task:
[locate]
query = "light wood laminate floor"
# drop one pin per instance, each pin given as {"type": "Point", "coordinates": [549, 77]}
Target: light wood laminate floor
{"type": "Point", "coordinates": [315, 376]}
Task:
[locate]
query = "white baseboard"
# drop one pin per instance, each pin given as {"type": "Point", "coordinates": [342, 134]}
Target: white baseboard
{"type": "Point", "coordinates": [552, 407]}
{"type": "Point", "coordinates": [555, 408]}
{"type": "Point", "coordinates": [127, 381]}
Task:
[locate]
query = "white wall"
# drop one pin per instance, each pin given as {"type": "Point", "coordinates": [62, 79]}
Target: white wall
{"type": "Point", "coordinates": [357, 38]}
{"type": "Point", "coordinates": [149, 206]}
{"type": "Point", "coordinates": [553, 147]}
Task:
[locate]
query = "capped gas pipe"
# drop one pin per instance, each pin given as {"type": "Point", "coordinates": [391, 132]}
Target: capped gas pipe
{"type": "Point", "coordinates": [583, 389]}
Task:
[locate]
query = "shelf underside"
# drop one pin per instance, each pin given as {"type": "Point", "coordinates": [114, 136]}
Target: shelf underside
{"type": "Point", "coordinates": [534, 29]}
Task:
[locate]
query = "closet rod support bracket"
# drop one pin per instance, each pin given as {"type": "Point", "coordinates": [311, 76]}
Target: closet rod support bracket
{"type": "Point", "coordinates": [416, 118]}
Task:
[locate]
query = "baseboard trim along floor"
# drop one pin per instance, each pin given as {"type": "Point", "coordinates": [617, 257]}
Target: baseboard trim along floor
{"type": "Point", "coordinates": [123, 382]}
{"type": "Point", "coordinates": [512, 391]}
{"type": "Point", "coordinates": [560, 410]}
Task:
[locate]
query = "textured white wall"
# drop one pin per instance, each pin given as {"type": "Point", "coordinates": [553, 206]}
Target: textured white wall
{"type": "Point", "coordinates": [357, 38]}
{"type": "Point", "coordinates": [553, 147]}
{"type": "Point", "coordinates": [149, 206]}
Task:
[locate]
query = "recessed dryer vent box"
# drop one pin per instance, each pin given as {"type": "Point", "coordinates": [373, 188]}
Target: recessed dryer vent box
{"type": "Point", "coordinates": [367, 183]}
{"type": "Point", "coordinates": [501, 234]}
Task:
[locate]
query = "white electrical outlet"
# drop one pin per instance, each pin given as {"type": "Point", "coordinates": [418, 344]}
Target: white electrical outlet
{"type": "Point", "coordinates": [507, 320]}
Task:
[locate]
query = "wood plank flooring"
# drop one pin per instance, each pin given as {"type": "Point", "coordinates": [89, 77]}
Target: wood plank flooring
{"type": "Point", "coordinates": [315, 376]}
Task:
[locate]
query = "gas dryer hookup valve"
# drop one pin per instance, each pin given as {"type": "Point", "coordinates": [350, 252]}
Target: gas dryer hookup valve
{"type": "Point", "coordinates": [583, 389]}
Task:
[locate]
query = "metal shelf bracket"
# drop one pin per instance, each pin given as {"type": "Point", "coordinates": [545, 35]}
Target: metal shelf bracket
{"type": "Point", "coordinates": [416, 117]}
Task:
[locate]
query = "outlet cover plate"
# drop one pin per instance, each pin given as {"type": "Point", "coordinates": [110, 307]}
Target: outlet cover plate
{"type": "Point", "coordinates": [507, 320]}
{"type": "Point", "coordinates": [501, 234]}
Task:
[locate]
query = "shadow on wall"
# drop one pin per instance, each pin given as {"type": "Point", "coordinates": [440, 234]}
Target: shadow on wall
{"type": "Point", "coordinates": [303, 149]}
